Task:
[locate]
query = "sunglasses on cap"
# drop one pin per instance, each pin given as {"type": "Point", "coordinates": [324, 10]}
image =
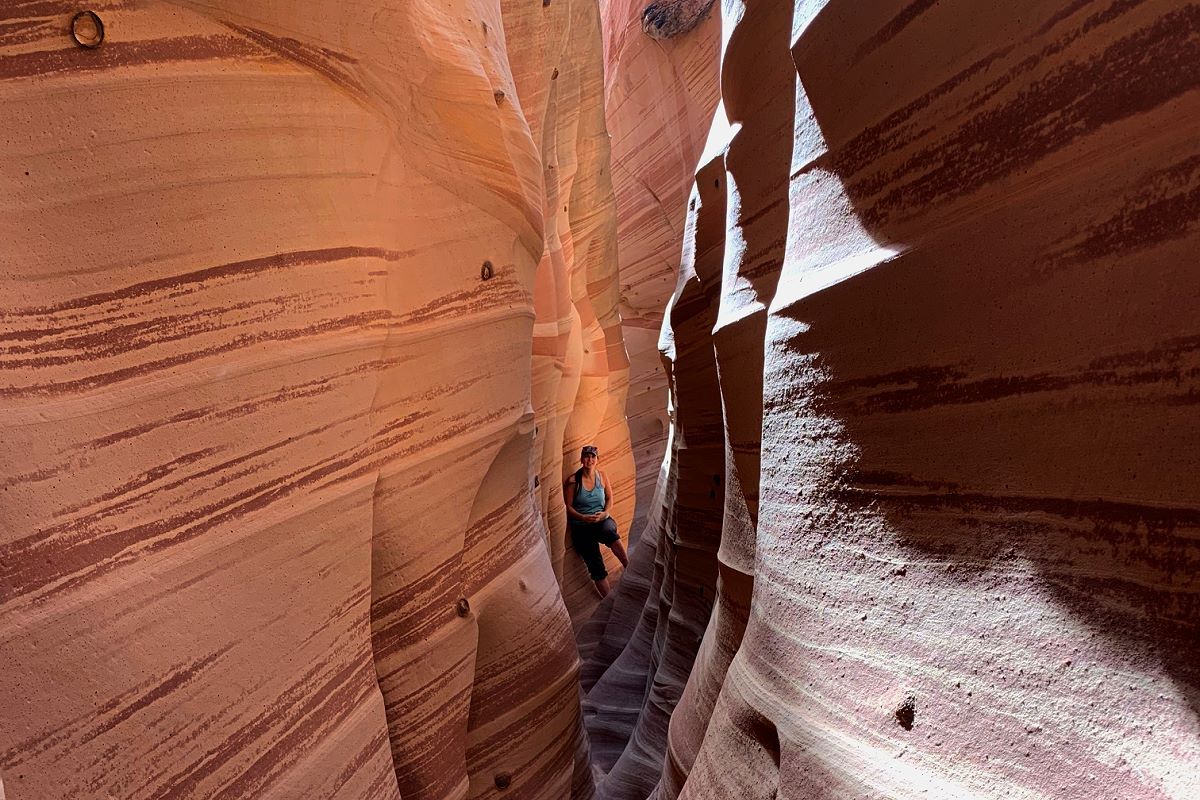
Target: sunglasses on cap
{"type": "Point", "coordinates": [589, 450]}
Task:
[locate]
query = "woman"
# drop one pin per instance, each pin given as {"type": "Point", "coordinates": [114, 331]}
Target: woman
{"type": "Point", "coordinates": [587, 511]}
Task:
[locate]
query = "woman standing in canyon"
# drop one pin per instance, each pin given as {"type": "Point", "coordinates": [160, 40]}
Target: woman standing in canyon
{"type": "Point", "coordinates": [587, 511]}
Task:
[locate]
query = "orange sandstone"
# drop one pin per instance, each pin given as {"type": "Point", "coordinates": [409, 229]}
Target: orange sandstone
{"type": "Point", "coordinates": [292, 322]}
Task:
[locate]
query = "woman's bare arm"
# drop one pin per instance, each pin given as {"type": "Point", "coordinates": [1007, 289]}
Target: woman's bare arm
{"type": "Point", "coordinates": [607, 496]}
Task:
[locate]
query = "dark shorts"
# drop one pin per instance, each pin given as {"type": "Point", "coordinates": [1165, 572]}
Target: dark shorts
{"type": "Point", "coordinates": [586, 538]}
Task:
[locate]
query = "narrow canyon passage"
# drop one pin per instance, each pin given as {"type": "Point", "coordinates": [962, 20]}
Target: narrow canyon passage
{"type": "Point", "coordinates": [882, 316]}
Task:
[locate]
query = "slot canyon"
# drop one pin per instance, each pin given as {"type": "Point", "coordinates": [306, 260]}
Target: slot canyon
{"type": "Point", "coordinates": [878, 314]}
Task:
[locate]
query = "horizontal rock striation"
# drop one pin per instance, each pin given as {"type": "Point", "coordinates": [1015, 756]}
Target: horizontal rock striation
{"type": "Point", "coordinates": [973, 553]}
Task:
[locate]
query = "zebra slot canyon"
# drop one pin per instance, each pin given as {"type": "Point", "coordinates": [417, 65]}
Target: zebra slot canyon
{"type": "Point", "coordinates": [878, 315]}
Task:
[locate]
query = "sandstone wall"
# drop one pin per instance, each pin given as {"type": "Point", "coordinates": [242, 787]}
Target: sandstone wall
{"type": "Point", "coordinates": [294, 335]}
{"type": "Point", "coordinates": [660, 88]}
{"type": "Point", "coordinates": [580, 367]}
{"type": "Point", "coordinates": [973, 554]}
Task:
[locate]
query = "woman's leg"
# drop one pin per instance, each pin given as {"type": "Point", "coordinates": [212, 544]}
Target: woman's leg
{"type": "Point", "coordinates": [612, 540]}
{"type": "Point", "coordinates": [585, 540]}
{"type": "Point", "coordinates": [618, 548]}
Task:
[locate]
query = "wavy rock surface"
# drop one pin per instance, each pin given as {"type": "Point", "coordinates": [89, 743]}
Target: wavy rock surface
{"type": "Point", "coordinates": [974, 558]}
{"type": "Point", "coordinates": [292, 321]}
{"type": "Point", "coordinates": [659, 96]}
{"type": "Point", "coordinates": [580, 367]}
{"type": "Point", "coordinates": [296, 336]}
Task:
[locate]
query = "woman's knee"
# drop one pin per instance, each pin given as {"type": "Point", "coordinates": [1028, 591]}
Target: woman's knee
{"type": "Point", "coordinates": [610, 526]}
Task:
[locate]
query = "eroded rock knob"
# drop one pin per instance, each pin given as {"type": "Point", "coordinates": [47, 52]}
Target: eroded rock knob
{"type": "Point", "coordinates": [663, 19]}
{"type": "Point", "coordinates": [87, 29]}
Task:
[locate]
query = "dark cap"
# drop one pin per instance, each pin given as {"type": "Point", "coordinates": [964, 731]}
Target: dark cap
{"type": "Point", "coordinates": [589, 450]}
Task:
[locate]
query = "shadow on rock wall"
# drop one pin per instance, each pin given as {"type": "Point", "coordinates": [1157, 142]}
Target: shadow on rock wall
{"type": "Point", "coordinates": [975, 561]}
{"type": "Point", "coordinates": [980, 442]}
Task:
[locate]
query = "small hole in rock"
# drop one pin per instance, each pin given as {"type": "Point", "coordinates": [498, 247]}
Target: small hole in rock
{"type": "Point", "coordinates": [906, 714]}
{"type": "Point", "coordinates": [486, 271]}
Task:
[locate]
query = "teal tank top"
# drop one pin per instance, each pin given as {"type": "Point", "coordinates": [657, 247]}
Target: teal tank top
{"type": "Point", "coordinates": [589, 502]}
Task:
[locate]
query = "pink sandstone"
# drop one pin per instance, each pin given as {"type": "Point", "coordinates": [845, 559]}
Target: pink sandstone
{"type": "Point", "coordinates": [659, 96]}
{"type": "Point", "coordinates": [309, 307]}
{"type": "Point", "coordinates": [974, 557]}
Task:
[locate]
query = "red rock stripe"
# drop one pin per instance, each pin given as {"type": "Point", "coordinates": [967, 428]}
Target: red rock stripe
{"type": "Point", "coordinates": [23, 547]}
{"type": "Point", "coordinates": [999, 388]}
{"type": "Point", "coordinates": [238, 270]}
{"type": "Point", "coordinates": [308, 723]}
{"type": "Point", "coordinates": [1136, 74]}
{"type": "Point", "coordinates": [432, 688]}
{"type": "Point", "coordinates": [892, 135]}
{"type": "Point", "coordinates": [96, 556]}
{"type": "Point", "coordinates": [318, 700]}
{"type": "Point", "coordinates": [146, 479]}
{"type": "Point", "coordinates": [468, 302]}
{"type": "Point", "coordinates": [312, 388]}
{"type": "Point", "coordinates": [399, 621]}
{"type": "Point", "coordinates": [1063, 14]}
{"type": "Point", "coordinates": [350, 322]}
{"type": "Point", "coordinates": [113, 713]}
{"type": "Point", "coordinates": [99, 339]}
{"type": "Point", "coordinates": [1155, 518]}
{"type": "Point", "coordinates": [77, 60]}
{"type": "Point", "coordinates": [316, 59]}
{"type": "Point", "coordinates": [370, 751]}
{"type": "Point", "coordinates": [24, 31]}
{"type": "Point", "coordinates": [41, 9]}
{"type": "Point", "coordinates": [894, 26]}
{"type": "Point", "coordinates": [1167, 207]}
{"type": "Point", "coordinates": [501, 750]}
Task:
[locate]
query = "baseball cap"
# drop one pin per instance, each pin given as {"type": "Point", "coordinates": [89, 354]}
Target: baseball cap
{"type": "Point", "coordinates": [589, 450]}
